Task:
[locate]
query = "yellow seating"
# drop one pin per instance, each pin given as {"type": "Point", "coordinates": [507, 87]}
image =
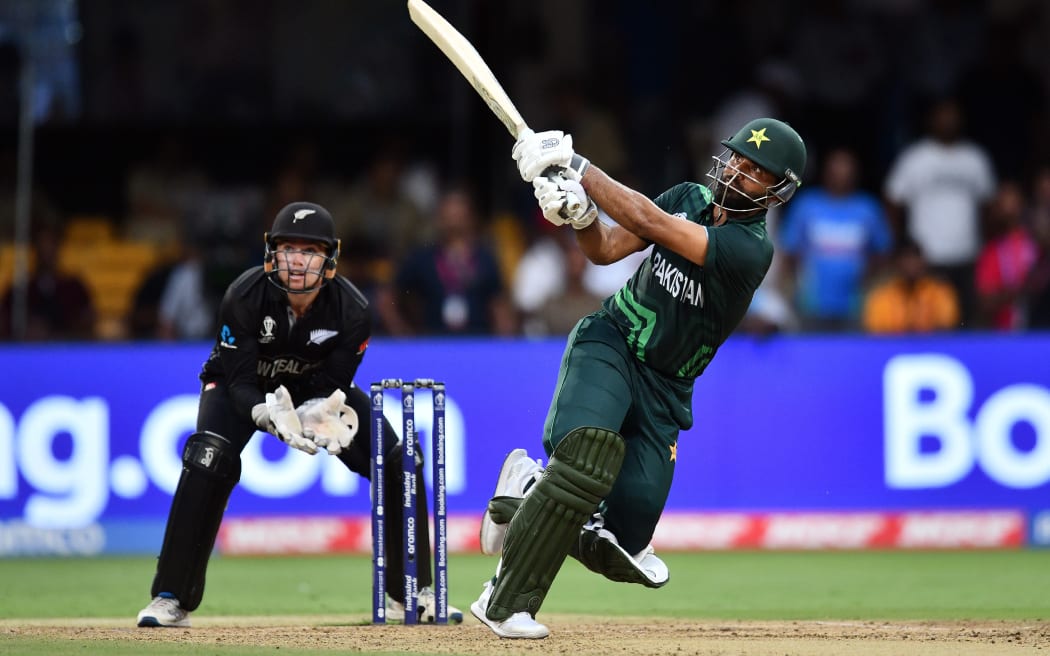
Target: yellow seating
{"type": "Point", "coordinates": [110, 267]}
{"type": "Point", "coordinates": [7, 265]}
{"type": "Point", "coordinates": [510, 242]}
{"type": "Point", "coordinates": [84, 229]}
{"type": "Point", "coordinates": [112, 271]}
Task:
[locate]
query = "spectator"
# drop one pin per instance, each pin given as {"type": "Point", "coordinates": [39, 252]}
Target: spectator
{"type": "Point", "coordinates": [1005, 262]}
{"type": "Point", "coordinates": [452, 287]}
{"type": "Point", "coordinates": [187, 310]}
{"type": "Point", "coordinates": [1038, 288]}
{"type": "Point", "coordinates": [1038, 216]}
{"type": "Point", "coordinates": [144, 318]}
{"type": "Point", "coordinates": [768, 313]}
{"type": "Point", "coordinates": [938, 188]}
{"type": "Point", "coordinates": [594, 129]}
{"type": "Point", "coordinates": [561, 311]}
{"type": "Point", "coordinates": [378, 209]}
{"type": "Point", "coordinates": [194, 288]}
{"type": "Point", "coordinates": [912, 300]}
{"type": "Point", "coordinates": [58, 305]}
{"type": "Point", "coordinates": [540, 272]}
{"type": "Point", "coordinates": [1039, 278]}
{"type": "Point", "coordinates": [367, 265]}
{"type": "Point", "coordinates": [834, 237]}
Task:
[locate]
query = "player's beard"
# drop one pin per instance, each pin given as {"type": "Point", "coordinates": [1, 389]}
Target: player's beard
{"type": "Point", "coordinates": [729, 198]}
{"type": "Point", "coordinates": [721, 177]}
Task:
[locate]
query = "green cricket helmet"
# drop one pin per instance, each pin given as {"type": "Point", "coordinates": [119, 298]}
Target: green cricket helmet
{"type": "Point", "coordinates": [304, 222]}
{"type": "Point", "coordinates": [777, 148]}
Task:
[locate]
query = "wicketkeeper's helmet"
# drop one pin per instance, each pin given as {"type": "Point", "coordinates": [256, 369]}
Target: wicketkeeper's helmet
{"type": "Point", "coordinates": [306, 222]}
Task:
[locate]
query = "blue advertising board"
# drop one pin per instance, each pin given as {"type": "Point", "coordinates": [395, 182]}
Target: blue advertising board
{"type": "Point", "coordinates": [90, 435]}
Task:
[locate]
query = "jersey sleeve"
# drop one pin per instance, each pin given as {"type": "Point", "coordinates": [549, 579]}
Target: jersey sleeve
{"type": "Point", "coordinates": [670, 199]}
{"type": "Point", "coordinates": [738, 254]}
{"type": "Point", "coordinates": [239, 352]}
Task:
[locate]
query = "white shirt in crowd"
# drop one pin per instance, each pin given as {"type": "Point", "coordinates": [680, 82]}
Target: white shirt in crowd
{"type": "Point", "coordinates": [942, 187]}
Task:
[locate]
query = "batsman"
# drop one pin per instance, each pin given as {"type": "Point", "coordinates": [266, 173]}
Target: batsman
{"type": "Point", "coordinates": [625, 386]}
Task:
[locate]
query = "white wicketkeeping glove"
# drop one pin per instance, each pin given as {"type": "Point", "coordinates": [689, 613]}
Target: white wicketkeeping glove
{"type": "Point", "coordinates": [277, 416]}
{"type": "Point", "coordinates": [329, 422]}
{"type": "Point", "coordinates": [562, 199]}
{"type": "Point", "coordinates": [535, 152]}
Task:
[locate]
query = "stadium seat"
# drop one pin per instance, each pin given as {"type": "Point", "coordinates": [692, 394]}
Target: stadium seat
{"type": "Point", "coordinates": [7, 265]}
{"type": "Point", "coordinates": [509, 238]}
{"type": "Point", "coordinates": [82, 229]}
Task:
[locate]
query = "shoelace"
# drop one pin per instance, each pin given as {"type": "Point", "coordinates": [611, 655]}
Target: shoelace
{"type": "Point", "coordinates": [168, 605]}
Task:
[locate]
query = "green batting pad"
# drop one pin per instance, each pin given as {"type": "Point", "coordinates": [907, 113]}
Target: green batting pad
{"type": "Point", "coordinates": [580, 473]}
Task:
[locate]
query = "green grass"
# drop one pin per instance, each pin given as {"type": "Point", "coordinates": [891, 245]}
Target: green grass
{"type": "Point", "coordinates": [976, 585]}
{"type": "Point", "coordinates": [955, 585]}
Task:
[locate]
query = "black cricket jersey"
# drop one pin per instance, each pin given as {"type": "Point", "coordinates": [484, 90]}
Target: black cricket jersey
{"type": "Point", "coordinates": [261, 345]}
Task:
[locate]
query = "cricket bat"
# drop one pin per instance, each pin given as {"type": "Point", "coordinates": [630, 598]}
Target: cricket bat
{"type": "Point", "coordinates": [466, 58]}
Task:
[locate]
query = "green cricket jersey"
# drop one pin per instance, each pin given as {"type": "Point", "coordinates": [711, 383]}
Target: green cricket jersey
{"type": "Point", "coordinates": [675, 313]}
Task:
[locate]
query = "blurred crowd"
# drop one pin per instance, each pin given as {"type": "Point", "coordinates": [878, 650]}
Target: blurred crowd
{"type": "Point", "coordinates": [925, 206]}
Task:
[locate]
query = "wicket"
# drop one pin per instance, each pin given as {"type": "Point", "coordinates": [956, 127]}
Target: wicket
{"type": "Point", "coordinates": [409, 444]}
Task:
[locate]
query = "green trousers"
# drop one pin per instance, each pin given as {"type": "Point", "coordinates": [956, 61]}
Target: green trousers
{"type": "Point", "coordinates": [601, 384]}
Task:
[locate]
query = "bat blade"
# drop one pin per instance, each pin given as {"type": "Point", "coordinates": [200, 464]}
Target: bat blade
{"type": "Point", "coordinates": [465, 57]}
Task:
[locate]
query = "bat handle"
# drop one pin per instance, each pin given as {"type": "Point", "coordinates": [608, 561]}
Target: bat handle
{"type": "Point", "coordinates": [572, 203]}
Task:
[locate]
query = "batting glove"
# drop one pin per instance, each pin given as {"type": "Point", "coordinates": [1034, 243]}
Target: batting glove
{"type": "Point", "coordinates": [535, 152]}
{"type": "Point", "coordinates": [563, 200]}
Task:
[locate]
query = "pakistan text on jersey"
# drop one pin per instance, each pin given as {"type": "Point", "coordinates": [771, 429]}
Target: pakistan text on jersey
{"type": "Point", "coordinates": [274, 368]}
{"type": "Point", "coordinates": [685, 290]}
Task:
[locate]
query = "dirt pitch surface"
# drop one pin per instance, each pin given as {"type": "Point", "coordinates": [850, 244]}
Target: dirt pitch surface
{"type": "Point", "coordinates": [583, 636]}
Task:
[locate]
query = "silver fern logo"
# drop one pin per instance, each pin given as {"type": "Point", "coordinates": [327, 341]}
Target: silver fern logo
{"type": "Point", "coordinates": [320, 335]}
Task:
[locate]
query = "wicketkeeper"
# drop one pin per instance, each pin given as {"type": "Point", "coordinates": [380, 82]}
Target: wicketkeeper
{"type": "Point", "coordinates": [292, 335]}
{"type": "Point", "coordinates": [625, 387]}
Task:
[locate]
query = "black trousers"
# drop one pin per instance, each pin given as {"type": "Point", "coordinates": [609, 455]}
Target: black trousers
{"type": "Point", "coordinates": [197, 507]}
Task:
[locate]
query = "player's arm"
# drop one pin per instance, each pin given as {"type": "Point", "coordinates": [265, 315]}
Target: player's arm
{"type": "Point", "coordinates": [537, 153]}
{"type": "Point", "coordinates": [642, 219]}
{"type": "Point", "coordinates": [341, 364]}
{"type": "Point", "coordinates": [239, 352]}
{"type": "Point", "coordinates": [605, 244]}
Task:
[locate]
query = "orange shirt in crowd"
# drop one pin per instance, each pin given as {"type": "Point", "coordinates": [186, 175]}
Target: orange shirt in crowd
{"type": "Point", "coordinates": [896, 307]}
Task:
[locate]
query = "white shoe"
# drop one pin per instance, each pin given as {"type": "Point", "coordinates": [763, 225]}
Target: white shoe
{"type": "Point", "coordinates": [616, 564]}
{"type": "Point", "coordinates": [517, 471]}
{"type": "Point", "coordinates": [164, 611]}
{"type": "Point", "coordinates": [518, 625]}
{"type": "Point", "coordinates": [652, 567]}
{"type": "Point", "coordinates": [426, 607]}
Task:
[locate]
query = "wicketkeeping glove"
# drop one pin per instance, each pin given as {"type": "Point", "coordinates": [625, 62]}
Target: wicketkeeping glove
{"type": "Point", "coordinates": [277, 416]}
{"type": "Point", "coordinates": [329, 422]}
